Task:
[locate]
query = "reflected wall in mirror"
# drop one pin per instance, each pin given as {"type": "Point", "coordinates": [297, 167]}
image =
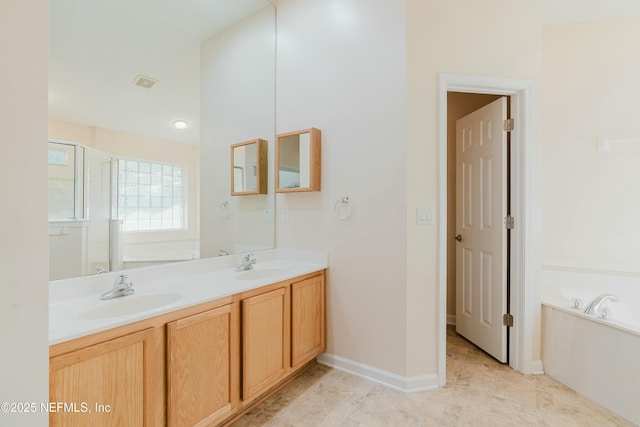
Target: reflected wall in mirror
{"type": "Point", "coordinates": [128, 119]}
{"type": "Point", "coordinates": [236, 65]}
{"type": "Point", "coordinates": [298, 157]}
{"type": "Point", "coordinates": [249, 168]}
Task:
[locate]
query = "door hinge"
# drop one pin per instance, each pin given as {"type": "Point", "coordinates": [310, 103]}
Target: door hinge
{"type": "Point", "coordinates": [508, 125]}
{"type": "Point", "coordinates": [509, 222]}
{"type": "Point", "coordinates": [507, 320]}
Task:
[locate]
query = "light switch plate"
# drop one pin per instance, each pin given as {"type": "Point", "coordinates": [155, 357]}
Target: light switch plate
{"type": "Point", "coordinates": [425, 216]}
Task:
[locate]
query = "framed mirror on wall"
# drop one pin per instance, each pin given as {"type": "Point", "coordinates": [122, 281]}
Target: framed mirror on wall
{"type": "Point", "coordinates": [249, 168]}
{"type": "Point", "coordinates": [298, 161]}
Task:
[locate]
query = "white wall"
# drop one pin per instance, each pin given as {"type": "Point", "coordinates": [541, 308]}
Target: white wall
{"type": "Point", "coordinates": [237, 105]}
{"type": "Point", "coordinates": [341, 68]}
{"type": "Point", "coordinates": [591, 89]}
{"type": "Point", "coordinates": [366, 74]}
{"type": "Point", "coordinates": [23, 247]}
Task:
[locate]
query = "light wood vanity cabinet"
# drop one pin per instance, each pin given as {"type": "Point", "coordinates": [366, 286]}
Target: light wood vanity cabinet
{"type": "Point", "coordinates": [265, 340]}
{"type": "Point", "coordinates": [307, 320]}
{"type": "Point", "coordinates": [204, 365]}
{"type": "Point", "coordinates": [282, 330]}
{"type": "Point", "coordinates": [106, 384]}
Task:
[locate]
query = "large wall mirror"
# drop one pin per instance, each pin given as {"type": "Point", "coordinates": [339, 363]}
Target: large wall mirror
{"type": "Point", "coordinates": [298, 161]}
{"type": "Point", "coordinates": [136, 177]}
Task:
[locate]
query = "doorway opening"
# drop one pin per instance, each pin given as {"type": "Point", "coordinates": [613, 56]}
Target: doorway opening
{"type": "Point", "coordinates": [478, 203]}
{"type": "Point", "coordinates": [522, 305]}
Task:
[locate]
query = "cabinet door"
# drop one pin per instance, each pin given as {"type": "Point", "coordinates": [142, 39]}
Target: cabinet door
{"type": "Point", "coordinates": [202, 367]}
{"type": "Point", "coordinates": [265, 340]}
{"type": "Point", "coordinates": [105, 384]}
{"type": "Point", "coordinates": [307, 320]}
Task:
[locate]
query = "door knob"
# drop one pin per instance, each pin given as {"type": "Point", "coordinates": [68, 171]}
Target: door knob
{"type": "Point", "coordinates": [459, 238]}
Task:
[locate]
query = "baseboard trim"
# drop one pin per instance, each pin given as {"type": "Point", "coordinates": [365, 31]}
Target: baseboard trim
{"type": "Point", "coordinates": [388, 379]}
{"type": "Point", "coordinates": [451, 319]}
{"type": "Point", "coordinates": [537, 368]}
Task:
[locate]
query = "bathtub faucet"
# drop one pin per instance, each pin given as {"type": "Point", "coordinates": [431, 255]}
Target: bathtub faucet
{"type": "Point", "coordinates": [596, 307]}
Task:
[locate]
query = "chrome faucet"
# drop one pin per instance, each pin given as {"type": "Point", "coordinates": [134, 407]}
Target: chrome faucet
{"type": "Point", "coordinates": [121, 288]}
{"type": "Point", "coordinates": [247, 263]}
{"type": "Point", "coordinates": [596, 307]}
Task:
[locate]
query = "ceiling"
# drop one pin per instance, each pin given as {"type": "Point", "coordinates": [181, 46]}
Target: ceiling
{"type": "Point", "coordinates": [98, 48]}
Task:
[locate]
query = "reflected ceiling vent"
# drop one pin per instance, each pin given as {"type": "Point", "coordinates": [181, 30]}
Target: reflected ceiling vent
{"type": "Point", "coordinates": [144, 81]}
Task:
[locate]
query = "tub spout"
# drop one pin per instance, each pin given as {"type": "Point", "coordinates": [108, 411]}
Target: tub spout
{"type": "Point", "coordinates": [596, 307]}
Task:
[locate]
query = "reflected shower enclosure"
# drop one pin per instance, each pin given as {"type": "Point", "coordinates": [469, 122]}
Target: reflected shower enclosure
{"type": "Point", "coordinates": [80, 201]}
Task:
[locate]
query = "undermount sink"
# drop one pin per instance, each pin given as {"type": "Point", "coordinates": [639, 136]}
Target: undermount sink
{"type": "Point", "coordinates": [131, 304]}
{"type": "Point", "coordinates": [258, 274]}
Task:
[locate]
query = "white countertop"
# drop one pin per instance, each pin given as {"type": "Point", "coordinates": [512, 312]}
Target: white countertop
{"type": "Point", "coordinates": [75, 308]}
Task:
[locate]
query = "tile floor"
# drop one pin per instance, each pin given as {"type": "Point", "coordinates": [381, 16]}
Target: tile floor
{"type": "Point", "coordinates": [480, 392]}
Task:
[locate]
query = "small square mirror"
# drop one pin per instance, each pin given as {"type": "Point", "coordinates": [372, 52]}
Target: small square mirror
{"type": "Point", "coordinates": [298, 161]}
{"type": "Point", "coordinates": [249, 168]}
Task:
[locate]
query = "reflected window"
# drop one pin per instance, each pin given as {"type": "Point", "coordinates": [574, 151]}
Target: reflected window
{"type": "Point", "coordinates": [58, 156]}
{"type": "Point", "coordinates": [289, 178]}
{"type": "Point", "coordinates": [151, 196]}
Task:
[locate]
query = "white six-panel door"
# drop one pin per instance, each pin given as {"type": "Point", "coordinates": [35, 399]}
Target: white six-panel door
{"type": "Point", "coordinates": [481, 205]}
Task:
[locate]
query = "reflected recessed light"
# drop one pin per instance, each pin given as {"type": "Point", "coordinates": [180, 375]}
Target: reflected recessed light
{"type": "Point", "coordinates": [180, 124]}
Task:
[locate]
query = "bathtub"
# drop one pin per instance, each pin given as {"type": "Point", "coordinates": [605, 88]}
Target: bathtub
{"type": "Point", "coordinates": [599, 359]}
{"type": "Point", "coordinates": [159, 257]}
{"type": "Point", "coordinates": [134, 255]}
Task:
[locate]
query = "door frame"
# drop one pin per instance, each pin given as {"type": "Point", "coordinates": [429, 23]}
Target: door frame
{"type": "Point", "coordinates": [522, 286]}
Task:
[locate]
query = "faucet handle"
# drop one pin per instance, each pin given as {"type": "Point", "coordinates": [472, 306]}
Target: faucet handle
{"type": "Point", "coordinates": [122, 279]}
{"type": "Point", "coordinates": [576, 303]}
{"type": "Point", "coordinates": [247, 262]}
{"type": "Point", "coordinates": [605, 313]}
